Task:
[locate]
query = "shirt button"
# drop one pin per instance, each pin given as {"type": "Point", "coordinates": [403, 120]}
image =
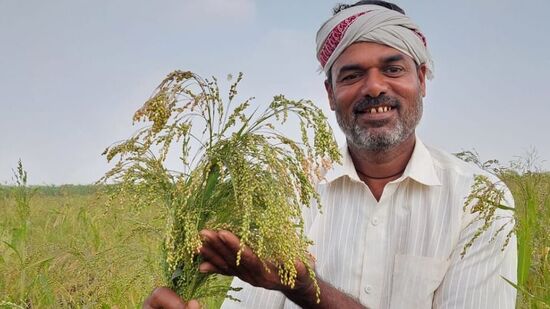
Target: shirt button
{"type": "Point", "coordinates": [368, 289]}
{"type": "Point", "coordinates": [375, 221]}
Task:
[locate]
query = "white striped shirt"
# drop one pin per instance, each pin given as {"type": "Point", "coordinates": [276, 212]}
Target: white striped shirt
{"type": "Point", "coordinates": [404, 250]}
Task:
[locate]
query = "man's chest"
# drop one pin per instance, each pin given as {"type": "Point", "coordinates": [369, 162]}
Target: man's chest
{"type": "Point", "coordinates": [364, 247]}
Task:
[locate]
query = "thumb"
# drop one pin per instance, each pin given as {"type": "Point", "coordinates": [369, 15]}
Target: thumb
{"type": "Point", "coordinates": [193, 304]}
{"type": "Point", "coordinates": [164, 298]}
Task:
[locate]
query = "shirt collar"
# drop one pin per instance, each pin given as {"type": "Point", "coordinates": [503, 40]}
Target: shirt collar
{"type": "Point", "coordinates": [419, 168]}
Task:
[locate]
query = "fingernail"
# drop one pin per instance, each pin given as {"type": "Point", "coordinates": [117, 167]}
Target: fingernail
{"type": "Point", "coordinates": [222, 236]}
{"type": "Point", "coordinates": [193, 304]}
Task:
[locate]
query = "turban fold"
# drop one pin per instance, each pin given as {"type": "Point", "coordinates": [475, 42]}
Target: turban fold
{"type": "Point", "coordinates": [371, 23]}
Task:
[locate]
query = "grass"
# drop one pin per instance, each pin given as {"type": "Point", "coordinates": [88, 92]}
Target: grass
{"type": "Point", "coordinates": [532, 197]}
{"type": "Point", "coordinates": [530, 188]}
{"type": "Point", "coordinates": [72, 247]}
{"type": "Point", "coordinates": [69, 249]}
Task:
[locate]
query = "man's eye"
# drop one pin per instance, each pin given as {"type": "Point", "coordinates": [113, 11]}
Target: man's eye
{"type": "Point", "coordinates": [349, 77]}
{"type": "Point", "coordinates": [394, 70]}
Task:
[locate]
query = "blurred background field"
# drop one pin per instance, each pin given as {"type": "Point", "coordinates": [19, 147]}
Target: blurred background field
{"type": "Point", "coordinates": [74, 247]}
{"type": "Point", "coordinates": [71, 250]}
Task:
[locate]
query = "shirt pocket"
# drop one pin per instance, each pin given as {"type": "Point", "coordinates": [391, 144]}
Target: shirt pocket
{"type": "Point", "coordinates": [415, 279]}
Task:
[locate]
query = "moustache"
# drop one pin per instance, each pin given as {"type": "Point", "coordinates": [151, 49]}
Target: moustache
{"type": "Point", "coordinates": [373, 102]}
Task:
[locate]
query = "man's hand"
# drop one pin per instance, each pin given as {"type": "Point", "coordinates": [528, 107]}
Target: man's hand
{"type": "Point", "coordinates": [219, 252]}
{"type": "Point", "coordinates": [164, 298]}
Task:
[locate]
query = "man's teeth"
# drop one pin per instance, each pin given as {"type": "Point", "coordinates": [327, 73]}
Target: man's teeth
{"type": "Point", "coordinates": [380, 109]}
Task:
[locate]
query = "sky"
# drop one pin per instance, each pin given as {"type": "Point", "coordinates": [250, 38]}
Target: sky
{"type": "Point", "coordinates": [72, 72]}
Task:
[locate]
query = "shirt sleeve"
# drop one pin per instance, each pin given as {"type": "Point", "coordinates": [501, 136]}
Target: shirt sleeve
{"type": "Point", "coordinates": [252, 297]}
{"type": "Point", "coordinates": [476, 280]}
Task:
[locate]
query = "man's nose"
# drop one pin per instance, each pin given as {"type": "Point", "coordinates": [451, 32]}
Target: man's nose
{"type": "Point", "coordinates": [374, 85]}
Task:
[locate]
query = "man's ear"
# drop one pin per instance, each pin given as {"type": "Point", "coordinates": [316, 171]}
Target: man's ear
{"type": "Point", "coordinates": [421, 71]}
{"type": "Point", "coordinates": [330, 94]}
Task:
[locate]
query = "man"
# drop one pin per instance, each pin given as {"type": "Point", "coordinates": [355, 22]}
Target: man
{"type": "Point", "coordinates": [393, 225]}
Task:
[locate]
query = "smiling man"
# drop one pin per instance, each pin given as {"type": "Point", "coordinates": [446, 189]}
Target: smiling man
{"type": "Point", "coordinates": [378, 104]}
{"type": "Point", "coordinates": [393, 225]}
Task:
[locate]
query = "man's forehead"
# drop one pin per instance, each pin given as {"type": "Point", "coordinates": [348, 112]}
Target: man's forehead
{"type": "Point", "coordinates": [371, 52]}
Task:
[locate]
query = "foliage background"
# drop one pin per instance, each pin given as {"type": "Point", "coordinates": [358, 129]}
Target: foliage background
{"type": "Point", "coordinates": [75, 248]}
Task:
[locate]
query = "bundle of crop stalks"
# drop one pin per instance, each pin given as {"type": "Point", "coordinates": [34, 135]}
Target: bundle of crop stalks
{"type": "Point", "coordinates": [239, 173]}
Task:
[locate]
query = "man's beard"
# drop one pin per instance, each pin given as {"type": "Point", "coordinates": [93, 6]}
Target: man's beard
{"type": "Point", "coordinates": [367, 138]}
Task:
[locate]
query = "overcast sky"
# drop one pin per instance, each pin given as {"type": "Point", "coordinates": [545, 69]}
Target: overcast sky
{"type": "Point", "coordinates": [73, 72]}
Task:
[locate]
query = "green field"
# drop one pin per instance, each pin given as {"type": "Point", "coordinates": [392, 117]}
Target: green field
{"type": "Point", "coordinates": [74, 251]}
{"type": "Point", "coordinates": [74, 247]}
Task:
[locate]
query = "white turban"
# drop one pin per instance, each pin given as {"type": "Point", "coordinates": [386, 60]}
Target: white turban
{"type": "Point", "coordinates": [371, 23]}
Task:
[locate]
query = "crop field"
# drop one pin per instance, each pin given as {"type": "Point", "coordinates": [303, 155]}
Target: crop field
{"type": "Point", "coordinates": [74, 247]}
{"type": "Point", "coordinates": [71, 250]}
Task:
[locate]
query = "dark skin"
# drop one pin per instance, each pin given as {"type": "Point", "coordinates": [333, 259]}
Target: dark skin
{"type": "Point", "coordinates": [163, 297]}
{"type": "Point", "coordinates": [385, 72]}
{"type": "Point", "coordinates": [399, 162]}
{"type": "Point", "coordinates": [219, 251]}
{"type": "Point", "coordinates": [363, 69]}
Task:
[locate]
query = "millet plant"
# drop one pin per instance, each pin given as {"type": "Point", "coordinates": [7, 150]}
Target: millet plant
{"type": "Point", "coordinates": [531, 192]}
{"type": "Point", "coordinates": [238, 173]}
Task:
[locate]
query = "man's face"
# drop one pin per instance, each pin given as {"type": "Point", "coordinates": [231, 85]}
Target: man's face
{"type": "Point", "coordinates": [376, 92]}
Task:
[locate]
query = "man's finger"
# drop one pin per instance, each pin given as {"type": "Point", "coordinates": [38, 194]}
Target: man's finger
{"type": "Point", "coordinates": [213, 242]}
{"type": "Point", "coordinates": [230, 240]}
{"type": "Point", "coordinates": [163, 298]}
{"type": "Point", "coordinates": [221, 249]}
{"type": "Point", "coordinates": [249, 260]}
{"type": "Point", "coordinates": [213, 257]}
{"type": "Point", "coordinates": [207, 267]}
{"type": "Point", "coordinates": [193, 304]}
